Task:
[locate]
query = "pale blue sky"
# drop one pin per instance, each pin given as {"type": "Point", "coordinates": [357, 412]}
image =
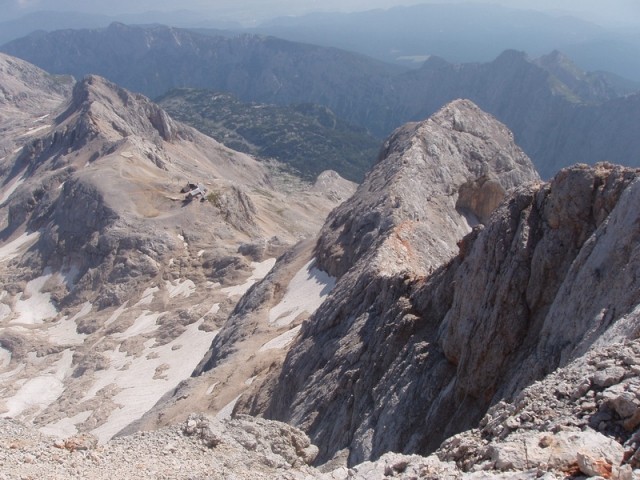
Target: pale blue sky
{"type": "Point", "coordinates": [600, 11]}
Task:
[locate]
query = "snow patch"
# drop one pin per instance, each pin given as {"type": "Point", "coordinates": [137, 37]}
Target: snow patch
{"type": "Point", "coordinates": [66, 427]}
{"type": "Point", "coordinates": [227, 410]}
{"type": "Point", "coordinates": [115, 315]}
{"type": "Point", "coordinates": [147, 296]}
{"type": "Point", "coordinates": [211, 388]}
{"type": "Point", "coordinates": [41, 391]}
{"type": "Point", "coordinates": [184, 288]}
{"type": "Point", "coordinates": [37, 307]}
{"type": "Point", "coordinates": [13, 248]}
{"type": "Point", "coordinates": [70, 275]}
{"type": "Point", "coordinates": [135, 376]}
{"type": "Point", "coordinates": [281, 341]}
{"type": "Point", "coordinates": [65, 331]}
{"type": "Point", "coordinates": [33, 130]}
{"type": "Point", "coordinates": [260, 270]}
{"type": "Point", "coordinates": [305, 293]}
{"type": "Point", "coordinates": [145, 323]}
{"type": "Point", "coordinates": [213, 310]}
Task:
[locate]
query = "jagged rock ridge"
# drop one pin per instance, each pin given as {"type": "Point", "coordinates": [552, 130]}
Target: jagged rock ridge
{"type": "Point", "coordinates": [433, 181]}
{"type": "Point", "coordinates": [399, 359]}
{"type": "Point", "coordinates": [403, 224]}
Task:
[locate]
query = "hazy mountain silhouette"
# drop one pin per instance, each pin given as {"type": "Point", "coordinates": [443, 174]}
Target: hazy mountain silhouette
{"type": "Point", "coordinates": [542, 101]}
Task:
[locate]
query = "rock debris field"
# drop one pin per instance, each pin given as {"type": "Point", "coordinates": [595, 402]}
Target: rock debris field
{"type": "Point", "coordinates": [243, 448]}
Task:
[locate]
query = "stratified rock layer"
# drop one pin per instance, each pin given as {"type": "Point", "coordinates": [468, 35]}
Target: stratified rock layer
{"type": "Point", "coordinates": [366, 370]}
{"type": "Point", "coordinates": [400, 363]}
{"type": "Point", "coordinates": [406, 212]}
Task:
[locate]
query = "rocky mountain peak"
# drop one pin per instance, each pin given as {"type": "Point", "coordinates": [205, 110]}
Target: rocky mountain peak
{"type": "Point", "coordinates": [435, 179]}
{"type": "Point", "coordinates": [105, 102]}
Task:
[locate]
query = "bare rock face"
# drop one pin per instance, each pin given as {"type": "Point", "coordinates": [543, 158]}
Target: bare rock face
{"type": "Point", "coordinates": [29, 99]}
{"type": "Point", "coordinates": [410, 197]}
{"type": "Point", "coordinates": [399, 229]}
{"type": "Point", "coordinates": [399, 359]}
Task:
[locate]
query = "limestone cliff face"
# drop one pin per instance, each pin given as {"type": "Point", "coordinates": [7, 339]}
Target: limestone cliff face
{"type": "Point", "coordinates": [401, 359]}
{"type": "Point", "coordinates": [402, 225]}
{"type": "Point", "coordinates": [434, 179]}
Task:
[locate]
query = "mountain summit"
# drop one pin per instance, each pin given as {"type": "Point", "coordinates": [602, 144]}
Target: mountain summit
{"type": "Point", "coordinates": [434, 181]}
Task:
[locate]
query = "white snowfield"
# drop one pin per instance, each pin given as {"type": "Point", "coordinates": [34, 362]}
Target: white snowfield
{"type": "Point", "coordinates": [227, 410]}
{"type": "Point", "coordinates": [65, 331]}
{"type": "Point", "coordinates": [147, 297]}
{"type": "Point", "coordinates": [305, 293]}
{"type": "Point", "coordinates": [260, 270]}
{"type": "Point", "coordinates": [143, 379]}
{"type": "Point", "coordinates": [144, 324]}
{"type": "Point", "coordinates": [41, 391]}
{"type": "Point", "coordinates": [281, 341]}
{"type": "Point", "coordinates": [183, 288]}
{"type": "Point", "coordinates": [133, 380]}
{"type": "Point", "coordinates": [34, 307]}
{"type": "Point", "coordinates": [16, 247]}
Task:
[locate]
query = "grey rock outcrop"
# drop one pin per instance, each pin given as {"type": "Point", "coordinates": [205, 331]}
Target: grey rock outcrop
{"type": "Point", "coordinates": [399, 359]}
{"type": "Point", "coordinates": [408, 201]}
{"type": "Point", "coordinates": [397, 231]}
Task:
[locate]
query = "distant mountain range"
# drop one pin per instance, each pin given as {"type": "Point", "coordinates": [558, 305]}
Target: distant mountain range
{"type": "Point", "coordinates": [559, 114]}
{"type": "Point", "coordinates": [459, 32]}
{"type": "Point", "coordinates": [463, 32]}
